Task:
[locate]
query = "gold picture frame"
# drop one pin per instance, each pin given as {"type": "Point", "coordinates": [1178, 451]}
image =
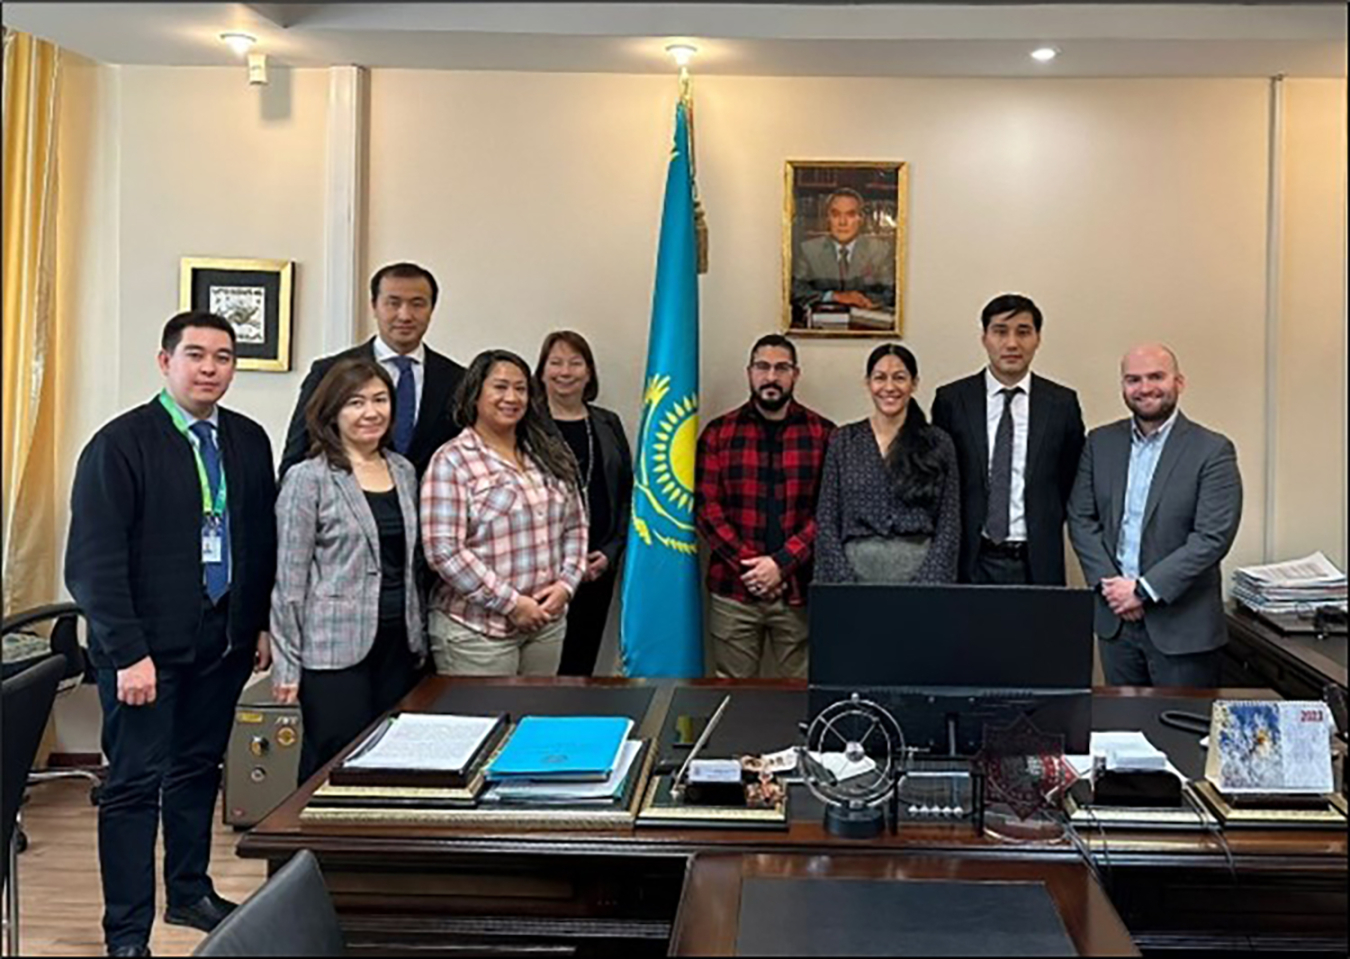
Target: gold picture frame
{"type": "Point", "coordinates": [254, 295]}
{"type": "Point", "coordinates": [845, 238]}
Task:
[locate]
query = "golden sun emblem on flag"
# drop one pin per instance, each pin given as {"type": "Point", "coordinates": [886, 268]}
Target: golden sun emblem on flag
{"type": "Point", "coordinates": [668, 444]}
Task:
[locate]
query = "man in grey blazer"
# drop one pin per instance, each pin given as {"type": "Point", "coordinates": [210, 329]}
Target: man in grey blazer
{"type": "Point", "coordinates": [846, 267]}
{"type": "Point", "coordinates": [1154, 510]}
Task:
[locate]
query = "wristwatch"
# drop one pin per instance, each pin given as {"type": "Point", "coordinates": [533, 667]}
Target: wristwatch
{"type": "Point", "coordinates": [1141, 592]}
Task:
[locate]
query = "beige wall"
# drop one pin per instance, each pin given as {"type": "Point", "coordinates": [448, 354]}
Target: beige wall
{"type": "Point", "coordinates": [1131, 210]}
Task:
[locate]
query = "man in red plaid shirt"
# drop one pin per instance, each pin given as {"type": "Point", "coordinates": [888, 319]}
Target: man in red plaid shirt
{"type": "Point", "coordinates": [759, 470]}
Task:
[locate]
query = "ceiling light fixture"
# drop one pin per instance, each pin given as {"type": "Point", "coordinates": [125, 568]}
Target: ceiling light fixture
{"type": "Point", "coordinates": [682, 53]}
{"type": "Point", "coordinates": [1044, 54]}
{"type": "Point", "coordinates": [240, 43]}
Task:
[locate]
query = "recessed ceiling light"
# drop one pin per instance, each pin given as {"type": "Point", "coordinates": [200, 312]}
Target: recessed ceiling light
{"type": "Point", "coordinates": [240, 43]}
{"type": "Point", "coordinates": [682, 53]}
{"type": "Point", "coordinates": [1044, 54]}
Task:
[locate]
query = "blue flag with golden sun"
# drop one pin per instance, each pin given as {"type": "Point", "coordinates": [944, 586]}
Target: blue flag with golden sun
{"type": "Point", "coordinates": [661, 631]}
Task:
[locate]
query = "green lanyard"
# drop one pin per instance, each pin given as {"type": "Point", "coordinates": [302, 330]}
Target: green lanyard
{"type": "Point", "coordinates": [216, 509]}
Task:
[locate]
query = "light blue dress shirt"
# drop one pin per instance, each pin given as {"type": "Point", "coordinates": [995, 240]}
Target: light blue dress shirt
{"type": "Point", "coordinates": [1145, 452]}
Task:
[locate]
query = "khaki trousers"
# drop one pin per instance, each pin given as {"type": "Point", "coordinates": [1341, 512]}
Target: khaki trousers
{"type": "Point", "coordinates": [460, 651]}
{"type": "Point", "coordinates": [741, 632]}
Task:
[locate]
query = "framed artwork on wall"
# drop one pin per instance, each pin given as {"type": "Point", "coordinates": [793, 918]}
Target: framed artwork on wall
{"type": "Point", "coordinates": [254, 295]}
{"type": "Point", "coordinates": [845, 225]}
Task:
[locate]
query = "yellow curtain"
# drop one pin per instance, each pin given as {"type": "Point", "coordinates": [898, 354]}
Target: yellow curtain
{"type": "Point", "coordinates": [31, 83]}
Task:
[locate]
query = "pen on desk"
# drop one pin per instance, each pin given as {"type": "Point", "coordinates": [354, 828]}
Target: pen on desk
{"type": "Point", "coordinates": [372, 740]}
{"type": "Point", "coordinates": [701, 741]}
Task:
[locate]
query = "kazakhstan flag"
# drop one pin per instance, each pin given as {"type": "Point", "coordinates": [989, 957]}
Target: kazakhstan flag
{"type": "Point", "coordinates": [662, 627]}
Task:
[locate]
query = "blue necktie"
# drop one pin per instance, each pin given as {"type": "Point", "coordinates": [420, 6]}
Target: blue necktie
{"type": "Point", "coordinates": [405, 404]}
{"type": "Point", "coordinates": [217, 573]}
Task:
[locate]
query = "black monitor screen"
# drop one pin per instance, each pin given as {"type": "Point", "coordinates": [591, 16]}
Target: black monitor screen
{"type": "Point", "coordinates": [953, 660]}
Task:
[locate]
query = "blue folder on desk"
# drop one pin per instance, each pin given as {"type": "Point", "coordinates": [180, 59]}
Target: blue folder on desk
{"type": "Point", "coordinates": [579, 748]}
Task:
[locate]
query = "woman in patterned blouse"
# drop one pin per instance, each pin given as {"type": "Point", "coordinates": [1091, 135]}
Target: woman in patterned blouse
{"type": "Point", "coordinates": [890, 509]}
{"type": "Point", "coordinates": [504, 526]}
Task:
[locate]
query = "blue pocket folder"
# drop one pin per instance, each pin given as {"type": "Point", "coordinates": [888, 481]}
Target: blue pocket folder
{"type": "Point", "coordinates": [562, 747]}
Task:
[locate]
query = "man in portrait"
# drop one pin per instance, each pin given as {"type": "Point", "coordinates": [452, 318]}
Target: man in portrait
{"type": "Point", "coordinates": [846, 267]}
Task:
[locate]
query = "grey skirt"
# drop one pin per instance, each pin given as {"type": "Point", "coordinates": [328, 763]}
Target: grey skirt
{"type": "Point", "coordinates": [887, 559]}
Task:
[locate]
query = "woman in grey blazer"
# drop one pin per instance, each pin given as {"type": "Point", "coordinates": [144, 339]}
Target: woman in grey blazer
{"type": "Point", "coordinates": [347, 622]}
{"type": "Point", "coordinates": [566, 369]}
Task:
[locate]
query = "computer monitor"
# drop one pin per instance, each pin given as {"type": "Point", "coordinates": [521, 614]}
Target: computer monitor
{"type": "Point", "coordinates": [949, 661]}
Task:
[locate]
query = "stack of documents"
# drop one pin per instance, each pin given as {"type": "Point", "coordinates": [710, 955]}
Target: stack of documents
{"type": "Point", "coordinates": [422, 749]}
{"type": "Point", "coordinates": [564, 761]}
{"type": "Point", "coordinates": [566, 792]}
{"type": "Point", "coordinates": [562, 748]}
{"type": "Point", "coordinates": [1291, 586]}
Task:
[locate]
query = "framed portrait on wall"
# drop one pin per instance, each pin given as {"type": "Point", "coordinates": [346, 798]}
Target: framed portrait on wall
{"type": "Point", "coordinates": [254, 295]}
{"type": "Point", "coordinates": [844, 234]}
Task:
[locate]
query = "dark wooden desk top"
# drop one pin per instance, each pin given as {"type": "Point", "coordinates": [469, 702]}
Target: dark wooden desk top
{"type": "Point", "coordinates": [282, 833]}
{"type": "Point", "coordinates": [708, 922]}
{"type": "Point", "coordinates": [1324, 657]}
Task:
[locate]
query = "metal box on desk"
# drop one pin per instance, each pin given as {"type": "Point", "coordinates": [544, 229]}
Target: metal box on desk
{"type": "Point", "coordinates": [263, 757]}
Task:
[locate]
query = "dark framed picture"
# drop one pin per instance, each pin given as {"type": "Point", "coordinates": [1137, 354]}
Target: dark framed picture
{"type": "Point", "coordinates": [254, 295]}
{"type": "Point", "coordinates": [844, 235]}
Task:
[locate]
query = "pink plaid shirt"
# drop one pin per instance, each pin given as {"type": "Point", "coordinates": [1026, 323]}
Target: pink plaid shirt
{"type": "Point", "coordinates": [494, 532]}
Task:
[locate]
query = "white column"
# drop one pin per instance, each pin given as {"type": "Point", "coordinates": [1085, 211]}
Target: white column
{"type": "Point", "coordinates": [1274, 250]}
{"type": "Point", "coordinates": [345, 207]}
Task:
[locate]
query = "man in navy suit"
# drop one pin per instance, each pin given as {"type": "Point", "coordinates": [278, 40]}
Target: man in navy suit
{"type": "Point", "coordinates": [172, 553]}
{"type": "Point", "coordinates": [1018, 437]}
{"type": "Point", "coordinates": [403, 297]}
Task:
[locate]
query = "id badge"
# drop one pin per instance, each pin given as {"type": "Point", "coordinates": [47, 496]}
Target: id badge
{"type": "Point", "coordinates": [212, 547]}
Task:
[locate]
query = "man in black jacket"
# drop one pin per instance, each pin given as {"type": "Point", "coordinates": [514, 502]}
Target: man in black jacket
{"type": "Point", "coordinates": [403, 297]}
{"type": "Point", "coordinates": [1018, 437]}
{"type": "Point", "coordinates": [172, 553]}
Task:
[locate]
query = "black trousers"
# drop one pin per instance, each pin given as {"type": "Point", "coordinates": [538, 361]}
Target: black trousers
{"type": "Point", "coordinates": [1131, 659]}
{"type": "Point", "coordinates": [336, 704]}
{"type": "Point", "coordinates": [164, 762]}
{"type": "Point", "coordinates": [1000, 567]}
{"type": "Point", "coordinates": [586, 617]}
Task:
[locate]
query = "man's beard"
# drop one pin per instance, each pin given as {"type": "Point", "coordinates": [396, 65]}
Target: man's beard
{"type": "Point", "coordinates": [1166, 408]}
{"type": "Point", "coordinates": [772, 405]}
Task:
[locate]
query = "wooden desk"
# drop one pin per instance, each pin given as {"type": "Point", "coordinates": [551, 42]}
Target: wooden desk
{"type": "Point", "coordinates": [1297, 666]}
{"type": "Point", "coordinates": [400, 888]}
{"type": "Point", "coordinates": [708, 923]}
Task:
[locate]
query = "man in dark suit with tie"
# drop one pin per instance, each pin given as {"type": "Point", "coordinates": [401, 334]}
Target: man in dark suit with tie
{"type": "Point", "coordinates": [403, 297]}
{"type": "Point", "coordinates": [172, 554]}
{"type": "Point", "coordinates": [1018, 437]}
{"type": "Point", "coordinates": [1154, 511]}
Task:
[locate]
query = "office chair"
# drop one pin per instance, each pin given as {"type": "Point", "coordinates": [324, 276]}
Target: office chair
{"type": "Point", "coordinates": [291, 915]}
{"type": "Point", "coordinates": [27, 705]}
{"type": "Point", "coordinates": [64, 640]}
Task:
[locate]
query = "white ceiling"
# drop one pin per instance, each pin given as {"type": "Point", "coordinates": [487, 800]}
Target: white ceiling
{"type": "Point", "coordinates": [762, 39]}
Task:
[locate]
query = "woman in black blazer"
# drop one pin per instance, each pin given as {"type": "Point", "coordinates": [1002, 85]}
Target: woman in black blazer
{"type": "Point", "coordinates": [566, 368]}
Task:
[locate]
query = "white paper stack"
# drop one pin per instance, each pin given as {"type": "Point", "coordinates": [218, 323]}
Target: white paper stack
{"type": "Point", "coordinates": [1291, 586]}
{"type": "Point", "coordinates": [1128, 752]}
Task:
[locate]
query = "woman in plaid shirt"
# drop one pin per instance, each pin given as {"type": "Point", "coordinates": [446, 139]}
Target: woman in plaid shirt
{"type": "Point", "coordinates": [504, 526]}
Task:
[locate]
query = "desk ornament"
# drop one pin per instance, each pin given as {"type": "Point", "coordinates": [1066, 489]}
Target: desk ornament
{"type": "Point", "coordinates": [872, 747]}
{"type": "Point", "coordinates": [717, 793]}
{"type": "Point", "coordinates": [1269, 765]}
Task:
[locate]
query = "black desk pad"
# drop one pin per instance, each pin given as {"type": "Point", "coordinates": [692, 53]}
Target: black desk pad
{"type": "Point", "coordinates": [756, 721]}
{"type": "Point", "coordinates": [874, 917]}
{"type": "Point", "coordinates": [630, 701]}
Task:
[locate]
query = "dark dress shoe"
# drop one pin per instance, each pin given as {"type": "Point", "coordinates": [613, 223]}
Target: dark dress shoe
{"type": "Point", "coordinates": [137, 950]}
{"type": "Point", "coordinates": [204, 914]}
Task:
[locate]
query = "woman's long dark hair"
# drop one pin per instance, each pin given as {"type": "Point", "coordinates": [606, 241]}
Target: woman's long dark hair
{"type": "Point", "coordinates": [912, 459]}
{"type": "Point", "coordinates": [535, 436]}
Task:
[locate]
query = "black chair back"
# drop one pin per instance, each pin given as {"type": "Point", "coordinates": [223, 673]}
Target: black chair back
{"type": "Point", "coordinates": [27, 705]}
{"type": "Point", "coordinates": [291, 915]}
